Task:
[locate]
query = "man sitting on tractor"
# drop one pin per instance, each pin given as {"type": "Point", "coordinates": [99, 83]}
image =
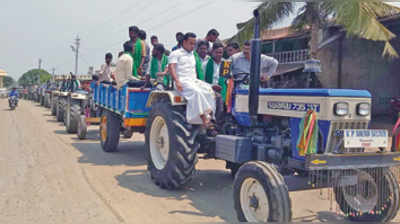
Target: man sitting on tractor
{"type": "Point", "coordinates": [124, 71]}
{"type": "Point", "coordinates": [105, 70]}
{"type": "Point", "coordinates": [241, 63]}
{"type": "Point", "coordinates": [159, 66]}
{"type": "Point", "coordinates": [183, 66]}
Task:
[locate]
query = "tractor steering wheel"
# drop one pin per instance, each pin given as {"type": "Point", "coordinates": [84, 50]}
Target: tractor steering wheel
{"type": "Point", "coordinates": [242, 78]}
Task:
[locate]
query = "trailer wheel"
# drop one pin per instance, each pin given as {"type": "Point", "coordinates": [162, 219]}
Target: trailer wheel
{"type": "Point", "coordinates": [110, 126]}
{"type": "Point", "coordinates": [72, 118]}
{"type": "Point", "coordinates": [127, 134]}
{"type": "Point", "coordinates": [82, 127]}
{"type": "Point", "coordinates": [375, 185]}
{"type": "Point", "coordinates": [260, 194]}
{"type": "Point", "coordinates": [170, 146]}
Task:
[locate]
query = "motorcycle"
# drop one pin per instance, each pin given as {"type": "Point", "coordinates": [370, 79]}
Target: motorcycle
{"type": "Point", "coordinates": [13, 102]}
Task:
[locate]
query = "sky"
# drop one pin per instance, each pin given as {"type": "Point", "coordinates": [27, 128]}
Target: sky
{"type": "Point", "coordinates": [33, 29]}
{"type": "Point", "coordinates": [45, 29]}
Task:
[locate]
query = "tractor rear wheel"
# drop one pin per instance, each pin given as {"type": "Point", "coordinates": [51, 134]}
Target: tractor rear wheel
{"type": "Point", "coordinates": [82, 127]}
{"type": "Point", "coordinates": [72, 117]}
{"type": "Point", "coordinates": [171, 149]}
{"type": "Point", "coordinates": [374, 198]}
{"type": "Point", "coordinates": [260, 194]}
{"type": "Point", "coordinates": [110, 130]}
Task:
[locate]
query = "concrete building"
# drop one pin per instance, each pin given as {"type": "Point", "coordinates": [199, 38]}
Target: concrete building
{"type": "Point", "coordinates": [2, 75]}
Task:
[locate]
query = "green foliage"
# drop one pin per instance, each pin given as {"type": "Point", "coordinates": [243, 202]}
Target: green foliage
{"type": "Point", "coordinates": [360, 18]}
{"type": "Point", "coordinates": [34, 77]}
{"type": "Point", "coordinates": [8, 81]}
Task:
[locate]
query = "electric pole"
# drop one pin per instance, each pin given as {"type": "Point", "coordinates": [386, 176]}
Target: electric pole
{"type": "Point", "coordinates": [40, 63]}
{"type": "Point", "coordinates": [76, 50]}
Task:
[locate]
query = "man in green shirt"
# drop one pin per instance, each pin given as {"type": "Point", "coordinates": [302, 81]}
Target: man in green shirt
{"type": "Point", "coordinates": [139, 54]}
{"type": "Point", "coordinates": [159, 65]}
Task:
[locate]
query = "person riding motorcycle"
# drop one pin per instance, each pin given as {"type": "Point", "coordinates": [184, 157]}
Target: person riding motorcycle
{"type": "Point", "coordinates": [13, 93]}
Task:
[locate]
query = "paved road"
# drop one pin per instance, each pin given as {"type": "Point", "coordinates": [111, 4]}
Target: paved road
{"type": "Point", "coordinates": [48, 176]}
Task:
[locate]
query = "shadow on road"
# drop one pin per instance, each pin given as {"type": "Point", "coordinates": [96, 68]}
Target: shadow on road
{"type": "Point", "coordinates": [129, 154]}
{"type": "Point", "coordinates": [210, 192]}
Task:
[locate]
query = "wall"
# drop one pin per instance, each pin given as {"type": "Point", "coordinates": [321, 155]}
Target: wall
{"type": "Point", "coordinates": [363, 68]}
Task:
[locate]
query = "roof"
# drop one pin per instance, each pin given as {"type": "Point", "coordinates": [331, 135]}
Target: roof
{"type": "Point", "coordinates": [281, 33]}
{"type": "Point", "coordinates": [3, 72]}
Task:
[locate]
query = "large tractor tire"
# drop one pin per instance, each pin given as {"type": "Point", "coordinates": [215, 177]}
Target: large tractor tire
{"type": "Point", "coordinates": [110, 131]}
{"type": "Point", "coordinates": [260, 194]}
{"type": "Point", "coordinates": [41, 101]}
{"type": "Point", "coordinates": [375, 197]}
{"type": "Point", "coordinates": [72, 117]}
{"type": "Point", "coordinates": [82, 127]}
{"type": "Point", "coordinates": [171, 149]}
{"type": "Point", "coordinates": [59, 111]}
{"type": "Point", "coordinates": [53, 107]}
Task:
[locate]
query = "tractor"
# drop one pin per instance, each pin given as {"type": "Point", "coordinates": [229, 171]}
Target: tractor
{"type": "Point", "coordinates": [279, 140]}
{"type": "Point", "coordinates": [62, 99]}
{"type": "Point", "coordinates": [76, 103]}
{"type": "Point", "coordinates": [90, 112]}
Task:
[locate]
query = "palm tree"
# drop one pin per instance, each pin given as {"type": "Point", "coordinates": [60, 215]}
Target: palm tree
{"type": "Point", "coordinates": [359, 18]}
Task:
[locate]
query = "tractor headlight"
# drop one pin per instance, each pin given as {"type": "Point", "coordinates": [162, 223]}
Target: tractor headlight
{"type": "Point", "coordinates": [341, 109]}
{"type": "Point", "coordinates": [363, 109]}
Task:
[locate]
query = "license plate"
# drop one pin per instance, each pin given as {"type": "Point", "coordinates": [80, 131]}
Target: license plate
{"type": "Point", "coordinates": [365, 138]}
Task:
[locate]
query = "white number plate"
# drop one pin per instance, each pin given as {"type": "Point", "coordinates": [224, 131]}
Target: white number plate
{"type": "Point", "coordinates": [365, 138]}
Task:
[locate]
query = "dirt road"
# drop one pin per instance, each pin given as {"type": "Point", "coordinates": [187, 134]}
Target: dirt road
{"type": "Point", "coordinates": [48, 176]}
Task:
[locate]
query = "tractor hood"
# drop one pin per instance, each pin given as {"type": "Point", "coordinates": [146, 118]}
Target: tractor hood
{"type": "Point", "coordinates": [311, 92]}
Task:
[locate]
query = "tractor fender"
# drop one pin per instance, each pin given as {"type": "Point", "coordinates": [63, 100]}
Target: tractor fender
{"type": "Point", "coordinates": [173, 96]}
{"type": "Point", "coordinates": [77, 96]}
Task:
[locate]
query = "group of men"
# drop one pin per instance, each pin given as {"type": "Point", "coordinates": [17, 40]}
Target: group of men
{"type": "Point", "coordinates": [193, 66]}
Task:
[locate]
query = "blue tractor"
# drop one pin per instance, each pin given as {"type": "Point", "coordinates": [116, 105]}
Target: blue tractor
{"type": "Point", "coordinates": [276, 141]}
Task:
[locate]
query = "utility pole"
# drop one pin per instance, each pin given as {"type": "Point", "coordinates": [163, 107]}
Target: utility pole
{"type": "Point", "coordinates": [76, 50]}
{"type": "Point", "coordinates": [40, 63]}
{"type": "Point", "coordinates": [53, 71]}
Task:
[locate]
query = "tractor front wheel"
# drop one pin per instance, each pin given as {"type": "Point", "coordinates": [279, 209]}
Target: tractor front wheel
{"type": "Point", "coordinates": [110, 129]}
{"type": "Point", "coordinates": [171, 149]}
{"type": "Point", "coordinates": [260, 194]}
{"type": "Point", "coordinates": [373, 198]}
{"type": "Point", "coordinates": [82, 127]}
{"type": "Point", "coordinates": [59, 111]}
{"type": "Point", "coordinates": [72, 117]}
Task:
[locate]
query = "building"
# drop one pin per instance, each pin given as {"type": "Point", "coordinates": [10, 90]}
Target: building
{"type": "Point", "coordinates": [350, 63]}
{"type": "Point", "coordinates": [2, 75]}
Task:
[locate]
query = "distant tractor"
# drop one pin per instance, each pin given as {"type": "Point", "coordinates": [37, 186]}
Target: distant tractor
{"type": "Point", "coordinates": [275, 141]}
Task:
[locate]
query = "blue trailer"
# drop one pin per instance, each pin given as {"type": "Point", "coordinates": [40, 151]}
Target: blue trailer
{"type": "Point", "coordinates": [123, 111]}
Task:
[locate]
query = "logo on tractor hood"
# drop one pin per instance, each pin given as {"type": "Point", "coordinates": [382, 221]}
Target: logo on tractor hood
{"type": "Point", "coordinates": [301, 107]}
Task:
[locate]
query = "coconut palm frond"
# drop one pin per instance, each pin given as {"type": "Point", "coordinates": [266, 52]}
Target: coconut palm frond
{"type": "Point", "coordinates": [360, 18]}
{"type": "Point", "coordinates": [270, 13]}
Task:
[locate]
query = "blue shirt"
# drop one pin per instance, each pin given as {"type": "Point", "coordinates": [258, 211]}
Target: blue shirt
{"type": "Point", "coordinates": [13, 93]}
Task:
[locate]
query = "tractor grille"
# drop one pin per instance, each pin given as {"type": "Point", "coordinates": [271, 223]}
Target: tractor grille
{"type": "Point", "coordinates": [335, 143]}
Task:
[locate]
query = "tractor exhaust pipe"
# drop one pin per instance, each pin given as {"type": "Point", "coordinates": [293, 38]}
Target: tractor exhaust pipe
{"type": "Point", "coordinates": [255, 70]}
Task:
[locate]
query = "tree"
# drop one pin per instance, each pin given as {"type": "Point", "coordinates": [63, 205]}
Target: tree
{"type": "Point", "coordinates": [8, 81]}
{"type": "Point", "coordinates": [360, 18]}
{"type": "Point", "coordinates": [34, 77]}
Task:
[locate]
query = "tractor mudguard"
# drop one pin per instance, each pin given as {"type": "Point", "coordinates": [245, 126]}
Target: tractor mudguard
{"type": "Point", "coordinates": [174, 97]}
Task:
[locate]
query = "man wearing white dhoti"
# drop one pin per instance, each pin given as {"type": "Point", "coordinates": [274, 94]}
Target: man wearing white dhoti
{"type": "Point", "coordinates": [185, 68]}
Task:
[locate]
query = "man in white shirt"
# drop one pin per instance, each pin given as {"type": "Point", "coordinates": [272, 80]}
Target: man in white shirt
{"type": "Point", "coordinates": [124, 69]}
{"type": "Point", "coordinates": [106, 70]}
{"type": "Point", "coordinates": [199, 94]}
